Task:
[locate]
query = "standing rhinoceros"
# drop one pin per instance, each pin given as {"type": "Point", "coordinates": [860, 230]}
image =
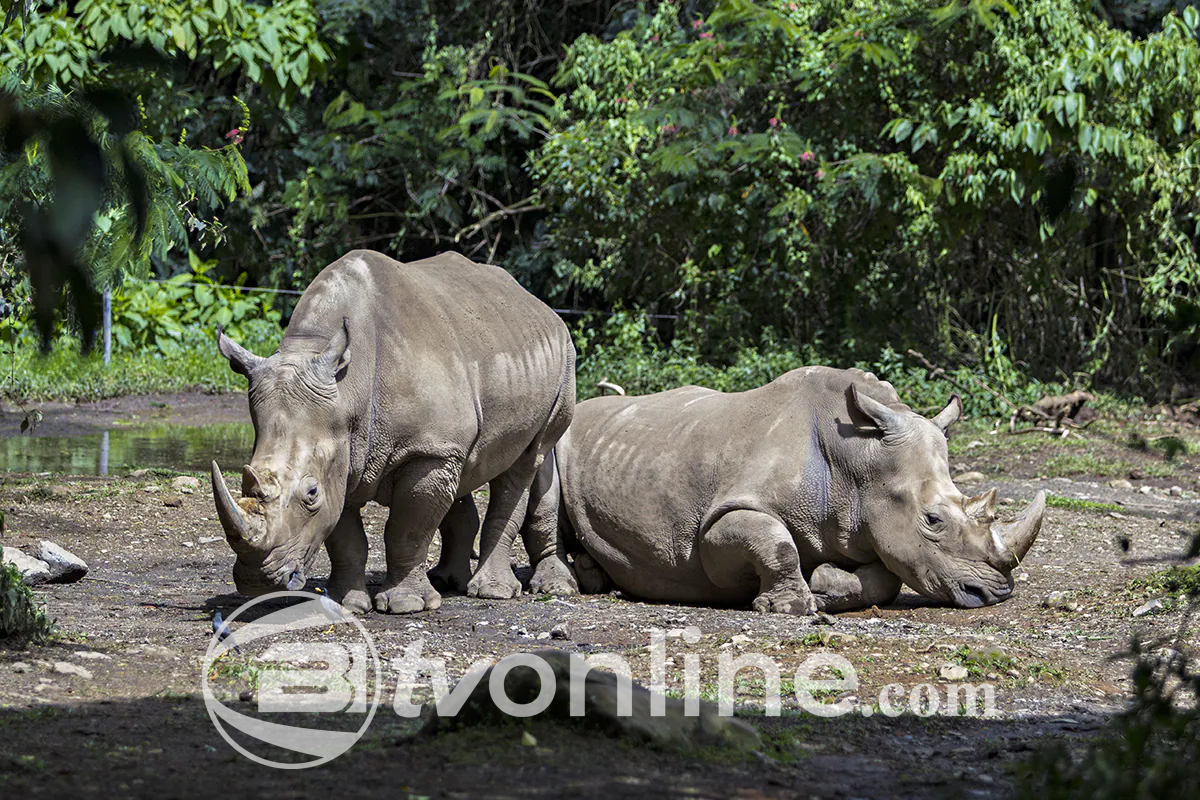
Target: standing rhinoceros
{"type": "Point", "coordinates": [459, 377]}
{"type": "Point", "coordinates": [818, 491]}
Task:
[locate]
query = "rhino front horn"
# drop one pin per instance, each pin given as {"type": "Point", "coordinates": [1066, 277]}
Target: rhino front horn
{"type": "Point", "coordinates": [231, 516]}
{"type": "Point", "coordinates": [1018, 536]}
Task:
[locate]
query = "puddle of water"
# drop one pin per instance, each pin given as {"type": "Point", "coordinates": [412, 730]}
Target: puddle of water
{"type": "Point", "coordinates": [185, 448]}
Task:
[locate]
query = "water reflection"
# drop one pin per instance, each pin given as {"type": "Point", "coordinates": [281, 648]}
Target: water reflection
{"type": "Point", "coordinates": [186, 448]}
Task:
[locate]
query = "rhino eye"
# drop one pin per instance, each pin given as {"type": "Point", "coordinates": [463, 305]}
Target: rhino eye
{"type": "Point", "coordinates": [933, 520]}
{"type": "Point", "coordinates": [310, 491]}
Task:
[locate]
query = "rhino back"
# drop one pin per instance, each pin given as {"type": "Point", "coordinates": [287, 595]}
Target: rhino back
{"type": "Point", "coordinates": [643, 477]}
{"type": "Point", "coordinates": [449, 357]}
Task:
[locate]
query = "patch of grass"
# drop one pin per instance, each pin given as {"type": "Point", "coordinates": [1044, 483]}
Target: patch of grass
{"type": "Point", "coordinates": [1075, 504]}
{"type": "Point", "coordinates": [1039, 670]}
{"type": "Point", "coordinates": [1090, 464]}
{"type": "Point", "coordinates": [23, 619]}
{"type": "Point", "coordinates": [1175, 580]}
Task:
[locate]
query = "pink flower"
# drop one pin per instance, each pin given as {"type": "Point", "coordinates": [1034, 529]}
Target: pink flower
{"type": "Point", "coordinates": [968, 170]}
{"type": "Point", "coordinates": [629, 86]}
{"type": "Point", "coordinates": [792, 6]}
{"type": "Point", "coordinates": [733, 130]}
{"type": "Point", "coordinates": [654, 38]}
{"type": "Point", "coordinates": [669, 129]}
{"type": "Point", "coordinates": [820, 173]}
{"type": "Point", "coordinates": [233, 133]}
{"type": "Point", "coordinates": [622, 100]}
{"type": "Point", "coordinates": [806, 156]}
{"type": "Point", "coordinates": [706, 35]}
{"type": "Point", "coordinates": [772, 122]}
{"type": "Point", "coordinates": [696, 24]}
{"type": "Point", "coordinates": [858, 34]}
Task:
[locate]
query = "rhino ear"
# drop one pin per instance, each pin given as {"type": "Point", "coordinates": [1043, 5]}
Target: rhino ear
{"type": "Point", "coordinates": [886, 419]}
{"type": "Point", "coordinates": [240, 359]}
{"type": "Point", "coordinates": [948, 415]}
{"type": "Point", "coordinates": [336, 356]}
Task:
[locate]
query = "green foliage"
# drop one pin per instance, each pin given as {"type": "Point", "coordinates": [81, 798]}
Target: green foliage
{"type": "Point", "coordinates": [23, 619]}
{"type": "Point", "coordinates": [148, 314]}
{"type": "Point", "coordinates": [1075, 504]}
{"type": "Point", "coordinates": [1011, 186]}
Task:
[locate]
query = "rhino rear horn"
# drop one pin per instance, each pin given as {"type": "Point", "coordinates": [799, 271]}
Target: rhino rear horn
{"type": "Point", "coordinates": [336, 355]}
{"type": "Point", "coordinates": [982, 506]}
{"type": "Point", "coordinates": [241, 360]}
{"type": "Point", "coordinates": [1018, 536]}
{"type": "Point", "coordinates": [230, 515]}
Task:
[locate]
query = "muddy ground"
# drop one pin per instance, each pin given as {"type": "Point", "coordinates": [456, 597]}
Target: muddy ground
{"type": "Point", "coordinates": [139, 624]}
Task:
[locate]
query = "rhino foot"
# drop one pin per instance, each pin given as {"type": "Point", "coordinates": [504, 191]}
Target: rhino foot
{"type": "Point", "coordinates": [504, 586]}
{"type": "Point", "coordinates": [591, 576]}
{"type": "Point", "coordinates": [552, 576]}
{"type": "Point", "coordinates": [785, 602]}
{"type": "Point", "coordinates": [355, 600]}
{"type": "Point", "coordinates": [445, 579]}
{"type": "Point", "coordinates": [407, 599]}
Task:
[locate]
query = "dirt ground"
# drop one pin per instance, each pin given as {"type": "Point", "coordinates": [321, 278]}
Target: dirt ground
{"type": "Point", "coordinates": [139, 624]}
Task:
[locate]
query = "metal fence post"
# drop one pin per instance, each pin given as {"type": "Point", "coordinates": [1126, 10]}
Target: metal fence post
{"type": "Point", "coordinates": [107, 325]}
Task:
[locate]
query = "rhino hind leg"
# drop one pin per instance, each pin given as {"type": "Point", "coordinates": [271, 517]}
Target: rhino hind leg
{"type": "Point", "coordinates": [347, 547]}
{"type": "Point", "coordinates": [542, 537]}
{"type": "Point", "coordinates": [744, 547]}
{"type": "Point", "coordinates": [494, 579]}
{"type": "Point", "coordinates": [591, 576]}
{"type": "Point", "coordinates": [458, 529]}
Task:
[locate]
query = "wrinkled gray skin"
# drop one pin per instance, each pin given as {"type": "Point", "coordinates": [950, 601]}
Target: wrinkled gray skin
{"type": "Point", "coordinates": [411, 385]}
{"type": "Point", "coordinates": [818, 491]}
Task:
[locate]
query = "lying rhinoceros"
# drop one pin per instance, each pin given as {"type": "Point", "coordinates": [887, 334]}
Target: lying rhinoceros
{"type": "Point", "coordinates": [459, 377]}
{"type": "Point", "coordinates": [818, 491]}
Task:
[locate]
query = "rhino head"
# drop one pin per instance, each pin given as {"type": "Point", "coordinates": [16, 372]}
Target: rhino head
{"type": "Point", "coordinates": [944, 545]}
{"type": "Point", "coordinates": [294, 487]}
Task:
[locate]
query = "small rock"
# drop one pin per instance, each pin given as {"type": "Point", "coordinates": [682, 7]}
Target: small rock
{"type": "Point", "coordinates": [953, 672]}
{"type": "Point", "coordinates": [1120, 483]}
{"type": "Point", "coordinates": [1149, 607]}
{"type": "Point", "coordinates": [528, 739]}
{"type": "Point", "coordinates": [67, 668]}
{"type": "Point", "coordinates": [543, 635]}
{"type": "Point", "coordinates": [1146, 489]}
{"type": "Point", "coordinates": [158, 651]}
{"type": "Point", "coordinates": [1006, 501]}
{"type": "Point", "coordinates": [211, 539]}
{"type": "Point", "coordinates": [740, 639]}
{"type": "Point", "coordinates": [824, 619]}
{"type": "Point", "coordinates": [1136, 474]}
{"type": "Point", "coordinates": [33, 570]}
{"type": "Point", "coordinates": [246, 696]}
{"type": "Point", "coordinates": [1175, 491]}
{"type": "Point", "coordinates": [173, 501]}
{"type": "Point", "coordinates": [1060, 600]}
{"type": "Point", "coordinates": [970, 477]}
{"type": "Point", "coordinates": [149, 489]}
{"type": "Point", "coordinates": [185, 484]}
{"type": "Point", "coordinates": [65, 566]}
{"type": "Point", "coordinates": [20, 666]}
{"type": "Point", "coordinates": [973, 444]}
{"type": "Point", "coordinates": [139, 473]}
{"type": "Point", "coordinates": [91, 655]}
{"type": "Point", "coordinates": [559, 631]}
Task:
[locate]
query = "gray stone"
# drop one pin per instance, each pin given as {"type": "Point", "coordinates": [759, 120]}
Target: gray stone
{"type": "Point", "coordinates": [824, 619]}
{"type": "Point", "coordinates": [33, 570]}
{"type": "Point", "coordinates": [173, 501]}
{"type": "Point", "coordinates": [1148, 607]}
{"type": "Point", "coordinates": [970, 477]}
{"type": "Point", "coordinates": [953, 672]}
{"type": "Point", "coordinates": [1120, 483]}
{"type": "Point", "coordinates": [1061, 601]}
{"type": "Point", "coordinates": [91, 655]}
{"type": "Point", "coordinates": [600, 705]}
{"type": "Point", "coordinates": [1175, 491]}
{"type": "Point", "coordinates": [139, 473]}
{"type": "Point", "coordinates": [67, 668]}
{"type": "Point", "coordinates": [20, 666]}
{"type": "Point", "coordinates": [559, 631]}
{"type": "Point", "coordinates": [65, 566]}
{"type": "Point", "coordinates": [185, 484]}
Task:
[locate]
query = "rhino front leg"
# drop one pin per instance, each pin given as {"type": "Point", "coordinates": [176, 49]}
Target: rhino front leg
{"type": "Point", "coordinates": [745, 545]}
{"type": "Point", "coordinates": [347, 547]}
{"type": "Point", "coordinates": [543, 541]}
{"type": "Point", "coordinates": [839, 590]}
{"type": "Point", "coordinates": [494, 579]}
{"type": "Point", "coordinates": [421, 498]}
{"type": "Point", "coordinates": [458, 530]}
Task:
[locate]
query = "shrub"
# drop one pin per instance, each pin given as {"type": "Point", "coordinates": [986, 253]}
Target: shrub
{"type": "Point", "coordinates": [22, 619]}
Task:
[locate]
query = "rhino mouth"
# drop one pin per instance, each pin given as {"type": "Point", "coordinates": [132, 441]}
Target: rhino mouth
{"type": "Point", "coordinates": [976, 594]}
